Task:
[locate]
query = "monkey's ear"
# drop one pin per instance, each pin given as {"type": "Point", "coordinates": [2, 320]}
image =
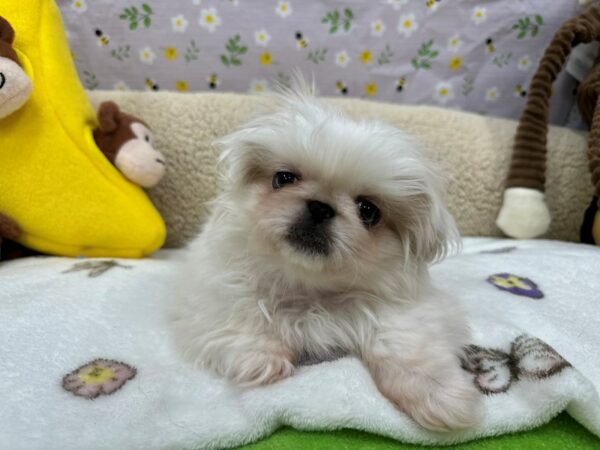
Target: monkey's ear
{"type": "Point", "coordinates": [7, 33]}
{"type": "Point", "coordinates": [108, 114]}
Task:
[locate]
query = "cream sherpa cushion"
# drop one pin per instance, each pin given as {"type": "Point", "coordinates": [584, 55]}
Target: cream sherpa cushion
{"type": "Point", "coordinates": [474, 149]}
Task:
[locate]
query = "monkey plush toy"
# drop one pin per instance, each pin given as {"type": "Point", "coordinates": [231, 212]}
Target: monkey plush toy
{"type": "Point", "coordinates": [15, 90]}
{"type": "Point", "coordinates": [15, 85]}
{"type": "Point", "coordinates": [127, 142]}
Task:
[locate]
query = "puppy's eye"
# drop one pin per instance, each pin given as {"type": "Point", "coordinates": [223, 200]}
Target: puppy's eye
{"type": "Point", "coordinates": [368, 212]}
{"type": "Point", "coordinates": [280, 179]}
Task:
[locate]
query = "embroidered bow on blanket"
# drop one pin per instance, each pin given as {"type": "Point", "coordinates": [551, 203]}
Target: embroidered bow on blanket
{"type": "Point", "coordinates": [86, 359]}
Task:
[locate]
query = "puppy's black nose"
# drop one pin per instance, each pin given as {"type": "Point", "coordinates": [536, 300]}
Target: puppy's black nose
{"type": "Point", "coordinates": [319, 211]}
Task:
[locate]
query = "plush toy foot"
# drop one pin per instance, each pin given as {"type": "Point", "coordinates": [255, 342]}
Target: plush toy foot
{"type": "Point", "coordinates": [9, 228]}
{"type": "Point", "coordinates": [15, 85]}
{"type": "Point", "coordinates": [524, 214]}
{"type": "Point", "coordinates": [55, 183]}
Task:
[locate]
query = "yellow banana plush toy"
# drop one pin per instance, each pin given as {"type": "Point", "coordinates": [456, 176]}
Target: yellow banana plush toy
{"type": "Point", "coordinates": [55, 183]}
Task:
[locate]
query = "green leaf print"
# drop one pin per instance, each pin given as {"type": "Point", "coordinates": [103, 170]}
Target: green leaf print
{"type": "Point", "coordinates": [317, 56]}
{"type": "Point", "coordinates": [283, 79]}
{"type": "Point", "coordinates": [467, 85]}
{"type": "Point", "coordinates": [192, 51]}
{"type": "Point", "coordinates": [334, 19]}
{"type": "Point", "coordinates": [425, 54]}
{"type": "Point", "coordinates": [90, 81]}
{"type": "Point", "coordinates": [135, 17]}
{"type": "Point", "coordinates": [235, 49]}
{"type": "Point", "coordinates": [385, 55]}
{"type": "Point", "coordinates": [502, 60]}
{"type": "Point", "coordinates": [121, 53]}
{"type": "Point", "coordinates": [525, 26]}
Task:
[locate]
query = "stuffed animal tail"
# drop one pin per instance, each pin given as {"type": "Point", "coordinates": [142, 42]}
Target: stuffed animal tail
{"type": "Point", "coordinates": [524, 213]}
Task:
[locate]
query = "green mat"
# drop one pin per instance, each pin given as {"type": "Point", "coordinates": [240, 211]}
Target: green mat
{"type": "Point", "coordinates": [563, 433]}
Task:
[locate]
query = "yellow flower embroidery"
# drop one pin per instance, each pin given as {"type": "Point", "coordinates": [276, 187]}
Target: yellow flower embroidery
{"type": "Point", "coordinates": [366, 57]}
{"type": "Point", "coordinates": [96, 375]}
{"type": "Point", "coordinates": [371, 89]}
{"type": "Point", "coordinates": [266, 58]}
{"type": "Point", "coordinates": [170, 53]}
{"type": "Point", "coordinates": [455, 63]}
{"type": "Point", "coordinates": [181, 86]}
{"type": "Point", "coordinates": [510, 281]}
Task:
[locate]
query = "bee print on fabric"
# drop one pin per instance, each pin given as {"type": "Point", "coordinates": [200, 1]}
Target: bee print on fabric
{"type": "Point", "coordinates": [341, 87]}
{"type": "Point", "coordinates": [213, 81]}
{"type": "Point", "coordinates": [301, 41]}
{"type": "Point", "coordinates": [103, 39]}
{"type": "Point", "coordinates": [401, 84]}
{"type": "Point", "coordinates": [489, 46]}
{"type": "Point", "coordinates": [151, 85]}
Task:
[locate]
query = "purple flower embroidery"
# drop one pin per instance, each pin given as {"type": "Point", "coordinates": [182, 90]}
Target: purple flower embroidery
{"type": "Point", "coordinates": [98, 377]}
{"type": "Point", "coordinates": [515, 285]}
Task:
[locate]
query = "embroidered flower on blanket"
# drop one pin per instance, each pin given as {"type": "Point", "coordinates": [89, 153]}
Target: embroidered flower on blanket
{"type": "Point", "coordinates": [98, 377]}
{"type": "Point", "coordinates": [495, 370]}
{"type": "Point", "coordinates": [516, 285]}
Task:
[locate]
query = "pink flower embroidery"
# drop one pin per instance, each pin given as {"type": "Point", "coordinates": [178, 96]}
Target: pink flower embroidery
{"type": "Point", "coordinates": [98, 377]}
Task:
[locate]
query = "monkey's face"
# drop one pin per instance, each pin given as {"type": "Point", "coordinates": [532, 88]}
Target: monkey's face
{"type": "Point", "coordinates": [139, 161]}
{"type": "Point", "coordinates": [15, 86]}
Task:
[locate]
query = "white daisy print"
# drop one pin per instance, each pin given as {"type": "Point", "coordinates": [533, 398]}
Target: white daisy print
{"type": "Point", "coordinates": [397, 4]}
{"type": "Point", "coordinates": [342, 58]}
{"type": "Point", "coordinates": [147, 56]}
{"type": "Point", "coordinates": [258, 87]}
{"type": "Point", "coordinates": [524, 63]}
{"type": "Point", "coordinates": [454, 43]}
{"type": "Point", "coordinates": [209, 19]}
{"type": "Point", "coordinates": [492, 94]}
{"type": "Point", "coordinates": [478, 15]}
{"type": "Point", "coordinates": [179, 23]}
{"type": "Point", "coordinates": [120, 86]}
{"type": "Point", "coordinates": [377, 28]}
{"type": "Point", "coordinates": [262, 37]}
{"type": "Point", "coordinates": [234, 2]}
{"type": "Point", "coordinates": [283, 9]}
{"type": "Point", "coordinates": [407, 25]}
{"type": "Point", "coordinates": [79, 6]}
{"type": "Point", "coordinates": [196, 2]}
{"type": "Point", "coordinates": [443, 92]}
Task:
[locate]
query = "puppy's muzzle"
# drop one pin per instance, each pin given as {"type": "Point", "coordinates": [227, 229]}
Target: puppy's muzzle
{"type": "Point", "coordinates": [311, 232]}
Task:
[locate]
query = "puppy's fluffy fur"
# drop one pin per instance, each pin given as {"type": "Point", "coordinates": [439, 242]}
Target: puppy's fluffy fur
{"type": "Point", "coordinates": [273, 279]}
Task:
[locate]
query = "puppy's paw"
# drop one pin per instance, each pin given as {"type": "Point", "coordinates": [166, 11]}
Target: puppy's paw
{"type": "Point", "coordinates": [448, 401]}
{"type": "Point", "coordinates": [262, 367]}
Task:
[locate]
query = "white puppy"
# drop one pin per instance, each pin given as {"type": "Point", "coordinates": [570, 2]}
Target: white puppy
{"type": "Point", "coordinates": [319, 243]}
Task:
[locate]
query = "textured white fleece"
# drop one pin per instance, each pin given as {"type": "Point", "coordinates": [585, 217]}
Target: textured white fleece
{"type": "Point", "coordinates": [53, 322]}
{"type": "Point", "coordinates": [475, 149]}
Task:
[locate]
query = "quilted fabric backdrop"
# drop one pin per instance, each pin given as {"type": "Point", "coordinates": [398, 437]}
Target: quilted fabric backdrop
{"type": "Point", "coordinates": [473, 55]}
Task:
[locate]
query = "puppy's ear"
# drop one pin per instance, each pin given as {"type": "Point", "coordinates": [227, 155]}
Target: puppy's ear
{"type": "Point", "coordinates": [440, 235]}
{"type": "Point", "coordinates": [242, 159]}
{"type": "Point", "coordinates": [7, 33]}
{"type": "Point", "coordinates": [427, 229]}
{"type": "Point", "coordinates": [108, 115]}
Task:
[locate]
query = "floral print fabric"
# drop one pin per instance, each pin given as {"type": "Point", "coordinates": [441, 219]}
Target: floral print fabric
{"type": "Point", "coordinates": [477, 56]}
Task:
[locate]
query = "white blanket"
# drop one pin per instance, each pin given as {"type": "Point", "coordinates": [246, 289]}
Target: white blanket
{"type": "Point", "coordinates": [86, 360]}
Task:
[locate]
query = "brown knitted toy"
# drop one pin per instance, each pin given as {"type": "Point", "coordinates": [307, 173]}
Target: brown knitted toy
{"type": "Point", "coordinates": [524, 213]}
